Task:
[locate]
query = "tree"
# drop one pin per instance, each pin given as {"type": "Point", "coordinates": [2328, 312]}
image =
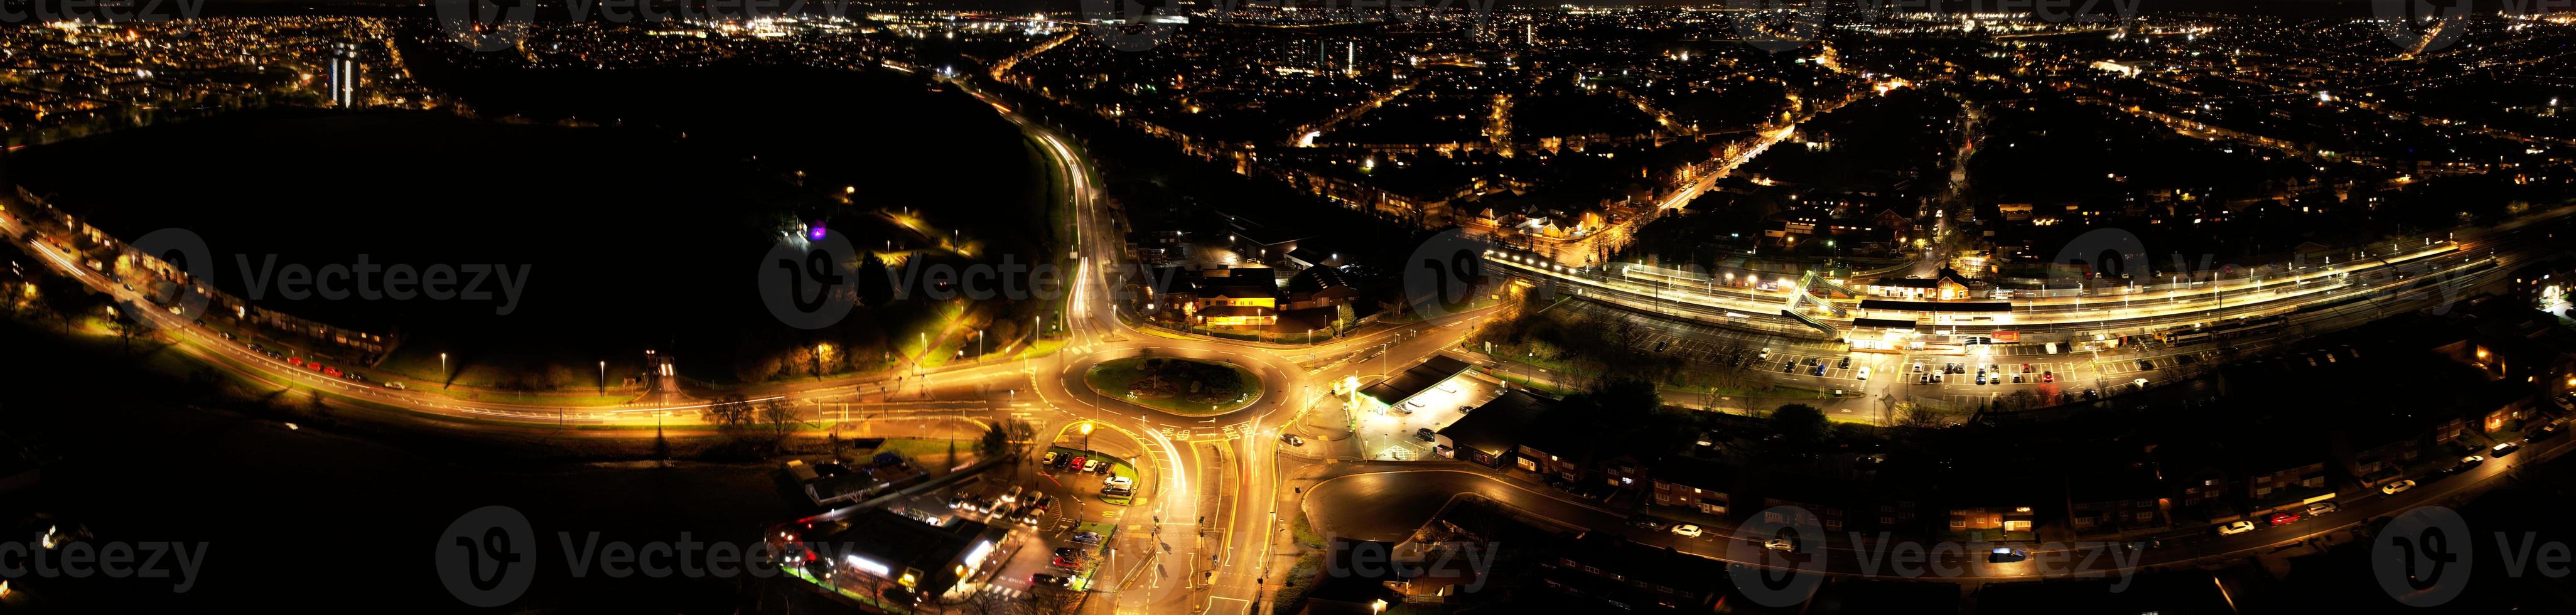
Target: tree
{"type": "Point", "coordinates": [1916, 416]}
{"type": "Point", "coordinates": [730, 410]}
{"type": "Point", "coordinates": [126, 330]}
{"type": "Point", "coordinates": [996, 442]}
{"type": "Point", "coordinates": [780, 416]}
{"type": "Point", "coordinates": [1799, 424]}
{"type": "Point", "coordinates": [66, 299]}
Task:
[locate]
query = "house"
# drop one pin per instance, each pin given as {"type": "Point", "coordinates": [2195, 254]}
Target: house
{"type": "Point", "coordinates": [2116, 499]}
{"type": "Point", "coordinates": [1319, 287]}
{"type": "Point", "coordinates": [1988, 504]}
{"type": "Point", "coordinates": [1948, 285]}
{"type": "Point", "coordinates": [910, 557]}
{"type": "Point", "coordinates": [1488, 435]}
{"type": "Point", "coordinates": [1693, 483]}
{"type": "Point", "coordinates": [1626, 575]}
{"type": "Point", "coordinates": [2283, 470]}
{"type": "Point", "coordinates": [1793, 499]}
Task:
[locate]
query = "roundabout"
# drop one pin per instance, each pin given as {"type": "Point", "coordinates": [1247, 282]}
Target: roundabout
{"type": "Point", "coordinates": [1182, 386]}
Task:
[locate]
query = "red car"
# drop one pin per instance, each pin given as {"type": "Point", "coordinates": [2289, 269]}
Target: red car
{"type": "Point", "coordinates": [2048, 376]}
{"type": "Point", "coordinates": [1069, 562]}
{"type": "Point", "coordinates": [2281, 519]}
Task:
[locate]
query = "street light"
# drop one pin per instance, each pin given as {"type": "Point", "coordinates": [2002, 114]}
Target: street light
{"type": "Point", "coordinates": [442, 370]}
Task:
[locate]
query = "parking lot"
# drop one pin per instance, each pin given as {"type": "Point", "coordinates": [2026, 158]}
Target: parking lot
{"type": "Point", "coordinates": [1394, 433]}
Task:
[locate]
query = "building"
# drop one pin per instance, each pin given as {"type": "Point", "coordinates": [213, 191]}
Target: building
{"type": "Point", "coordinates": [1793, 499]}
{"type": "Point", "coordinates": [1626, 575]}
{"type": "Point", "coordinates": [1488, 435]}
{"type": "Point", "coordinates": [344, 76]}
{"type": "Point", "coordinates": [2116, 499]}
{"type": "Point", "coordinates": [893, 557]}
{"type": "Point", "coordinates": [1694, 483]}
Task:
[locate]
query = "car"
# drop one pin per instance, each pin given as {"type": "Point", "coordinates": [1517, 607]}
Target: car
{"type": "Point", "coordinates": [1766, 354]}
{"type": "Point", "coordinates": [2006, 555]}
{"type": "Point", "coordinates": [2284, 518]}
{"type": "Point", "coordinates": [1819, 371]}
{"type": "Point", "coordinates": [2321, 508]}
{"type": "Point", "coordinates": [1844, 364]}
{"type": "Point", "coordinates": [1981, 378]}
{"type": "Point", "coordinates": [1067, 562]}
{"type": "Point", "coordinates": [1863, 374]}
{"type": "Point", "coordinates": [1788, 366]}
{"type": "Point", "coordinates": [1050, 458]}
{"type": "Point", "coordinates": [1292, 439]}
{"type": "Point", "coordinates": [1095, 465]}
{"type": "Point", "coordinates": [2016, 378]}
{"type": "Point", "coordinates": [1807, 361]}
{"type": "Point", "coordinates": [1117, 492]}
{"type": "Point", "coordinates": [395, 386]}
{"type": "Point", "coordinates": [1049, 580]}
{"type": "Point", "coordinates": [1088, 538]}
{"type": "Point", "coordinates": [1687, 530]}
{"type": "Point", "coordinates": [1013, 495]}
{"type": "Point", "coordinates": [2503, 448]}
{"type": "Point", "coordinates": [228, 335]}
{"type": "Point", "coordinates": [2397, 487]}
{"type": "Point", "coordinates": [1923, 379]}
{"type": "Point", "coordinates": [1650, 523]}
{"type": "Point", "coordinates": [1039, 505]}
{"type": "Point", "coordinates": [2025, 368]}
{"type": "Point", "coordinates": [1780, 544]}
{"type": "Point", "coordinates": [1118, 481]}
{"type": "Point", "coordinates": [1936, 379]}
{"type": "Point", "coordinates": [2469, 462]}
{"type": "Point", "coordinates": [1451, 387]}
{"type": "Point", "coordinates": [1918, 367]}
{"type": "Point", "coordinates": [2239, 527]}
{"type": "Point", "coordinates": [1424, 434]}
{"type": "Point", "coordinates": [2048, 376]}
{"type": "Point", "coordinates": [2543, 433]}
{"type": "Point", "coordinates": [1075, 461]}
{"type": "Point", "coordinates": [1417, 404]}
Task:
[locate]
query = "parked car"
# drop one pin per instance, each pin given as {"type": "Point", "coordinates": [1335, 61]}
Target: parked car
{"type": "Point", "coordinates": [1049, 580]}
{"type": "Point", "coordinates": [1687, 530]}
{"type": "Point", "coordinates": [2048, 376]}
{"type": "Point", "coordinates": [1075, 461]}
{"type": "Point", "coordinates": [1068, 562]}
{"type": "Point", "coordinates": [2543, 433]}
{"type": "Point", "coordinates": [2284, 518]}
{"type": "Point", "coordinates": [2239, 527]}
{"type": "Point", "coordinates": [1088, 538]}
{"type": "Point", "coordinates": [1646, 522]}
{"type": "Point", "coordinates": [1292, 439]}
{"type": "Point", "coordinates": [1864, 373]}
{"type": "Point", "coordinates": [1117, 492]}
{"type": "Point", "coordinates": [1118, 481]}
{"type": "Point", "coordinates": [2397, 487]}
{"type": "Point", "coordinates": [1844, 364]}
{"type": "Point", "coordinates": [1095, 465]}
{"type": "Point", "coordinates": [1050, 457]}
{"type": "Point", "coordinates": [2006, 555]}
{"type": "Point", "coordinates": [2321, 508]}
{"type": "Point", "coordinates": [1780, 544]}
{"type": "Point", "coordinates": [2503, 448]}
{"type": "Point", "coordinates": [1424, 434]}
{"type": "Point", "coordinates": [2145, 365]}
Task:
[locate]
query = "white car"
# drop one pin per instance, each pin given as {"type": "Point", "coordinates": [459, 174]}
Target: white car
{"type": "Point", "coordinates": [1118, 481]}
{"type": "Point", "coordinates": [1687, 530]}
{"type": "Point", "coordinates": [2239, 527]}
{"type": "Point", "coordinates": [2397, 487]}
{"type": "Point", "coordinates": [1864, 373]}
{"type": "Point", "coordinates": [1780, 544]}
